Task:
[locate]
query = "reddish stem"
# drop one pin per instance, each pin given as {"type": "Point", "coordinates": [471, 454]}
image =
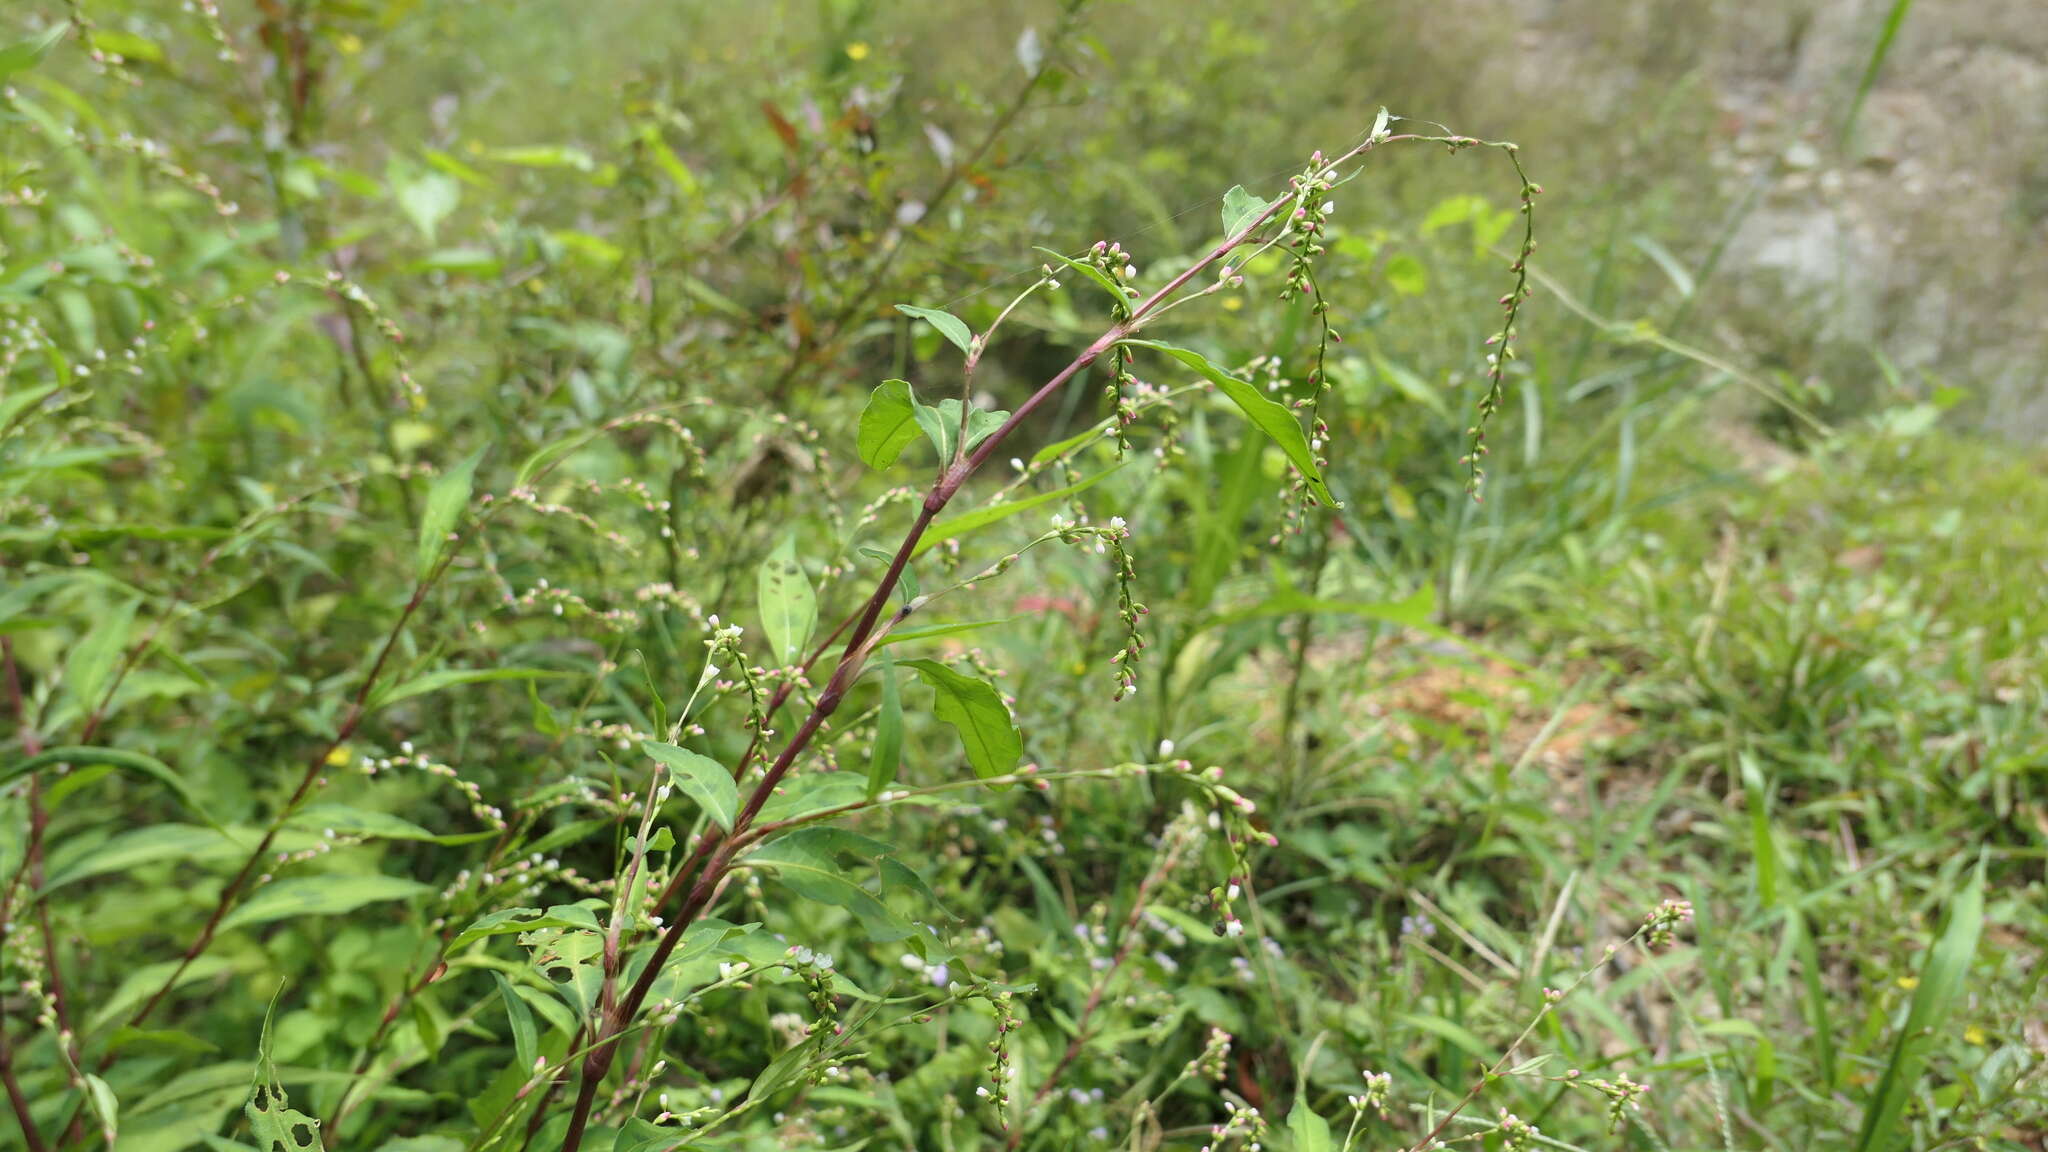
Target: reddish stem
{"type": "Point", "coordinates": [710, 861]}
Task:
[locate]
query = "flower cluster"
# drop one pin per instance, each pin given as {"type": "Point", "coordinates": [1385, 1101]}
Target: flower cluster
{"type": "Point", "coordinates": [1214, 1059]}
{"type": "Point", "coordinates": [1502, 342]}
{"type": "Point", "coordinates": [1623, 1096]}
{"type": "Point", "coordinates": [1374, 1098]}
{"type": "Point", "coordinates": [1516, 1134]}
{"type": "Point", "coordinates": [1112, 261]}
{"type": "Point", "coordinates": [1660, 926]}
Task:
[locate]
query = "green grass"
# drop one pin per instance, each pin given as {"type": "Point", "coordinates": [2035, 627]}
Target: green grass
{"type": "Point", "coordinates": [378, 522]}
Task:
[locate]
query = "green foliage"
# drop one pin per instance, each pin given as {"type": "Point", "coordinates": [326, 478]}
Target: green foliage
{"type": "Point", "coordinates": [432, 434]}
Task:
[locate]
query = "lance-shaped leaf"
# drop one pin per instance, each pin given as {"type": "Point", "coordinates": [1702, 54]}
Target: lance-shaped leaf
{"type": "Point", "coordinates": [445, 502]}
{"type": "Point", "coordinates": [887, 753]}
{"type": "Point", "coordinates": [989, 514]}
{"type": "Point", "coordinates": [328, 895]}
{"type": "Point", "coordinates": [820, 864]}
{"type": "Point", "coordinates": [950, 326]}
{"type": "Point", "coordinates": [81, 756]}
{"type": "Point", "coordinates": [1943, 976]}
{"type": "Point", "coordinates": [1274, 419]}
{"type": "Point", "coordinates": [789, 607]}
{"type": "Point", "coordinates": [975, 710]}
{"type": "Point", "coordinates": [701, 778]}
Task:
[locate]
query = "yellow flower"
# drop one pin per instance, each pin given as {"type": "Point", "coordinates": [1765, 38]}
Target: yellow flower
{"type": "Point", "coordinates": [340, 756]}
{"type": "Point", "coordinates": [1974, 1035]}
{"type": "Point", "coordinates": [858, 50]}
{"type": "Point", "coordinates": [1909, 982]}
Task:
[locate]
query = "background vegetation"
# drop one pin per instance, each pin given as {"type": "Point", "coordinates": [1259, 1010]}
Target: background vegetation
{"type": "Point", "coordinates": [400, 398]}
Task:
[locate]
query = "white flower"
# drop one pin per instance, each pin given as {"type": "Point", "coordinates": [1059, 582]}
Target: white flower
{"type": "Point", "coordinates": [1165, 748]}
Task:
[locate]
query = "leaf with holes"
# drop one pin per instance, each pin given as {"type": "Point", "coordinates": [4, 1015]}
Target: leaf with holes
{"type": "Point", "coordinates": [276, 1125]}
{"type": "Point", "coordinates": [789, 607]}
{"type": "Point", "coordinates": [570, 961]}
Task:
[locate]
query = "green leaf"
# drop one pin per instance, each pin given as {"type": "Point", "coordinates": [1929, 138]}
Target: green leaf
{"type": "Point", "coordinates": [525, 1037]}
{"type": "Point", "coordinates": [275, 1124]}
{"type": "Point", "coordinates": [327, 895]}
{"type": "Point", "coordinates": [426, 198]}
{"type": "Point", "coordinates": [89, 668]}
{"type": "Point", "coordinates": [544, 156]}
{"type": "Point", "coordinates": [140, 983]}
{"type": "Point", "coordinates": [1274, 419]}
{"type": "Point", "coordinates": [23, 55]}
{"type": "Point", "coordinates": [1102, 278]}
{"type": "Point", "coordinates": [808, 862]}
{"type": "Point", "coordinates": [950, 326]}
{"type": "Point", "coordinates": [572, 963]}
{"type": "Point", "coordinates": [1942, 977]}
{"type": "Point", "coordinates": [14, 404]}
{"type": "Point", "coordinates": [507, 921]}
{"type": "Point", "coordinates": [548, 455]}
{"type": "Point", "coordinates": [345, 820]}
{"type": "Point", "coordinates": [1406, 275]}
{"type": "Point", "coordinates": [105, 1107]}
{"type": "Point", "coordinates": [789, 607]}
{"type": "Point", "coordinates": [888, 424]}
{"type": "Point", "coordinates": [989, 514]}
{"type": "Point", "coordinates": [811, 792]}
{"type": "Point", "coordinates": [80, 757]}
{"type": "Point", "coordinates": [936, 631]}
{"type": "Point", "coordinates": [701, 778]}
{"type": "Point", "coordinates": [449, 678]}
{"type": "Point", "coordinates": [941, 426]}
{"type": "Point", "coordinates": [147, 845]}
{"type": "Point", "coordinates": [543, 717]}
{"type": "Point", "coordinates": [445, 503]}
{"type": "Point", "coordinates": [1311, 1132]}
{"type": "Point", "coordinates": [887, 754]}
{"type": "Point", "coordinates": [1240, 208]}
{"type": "Point", "coordinates": [975, 710]}
{"type": "Point", "coordinates": [1410, 385]}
